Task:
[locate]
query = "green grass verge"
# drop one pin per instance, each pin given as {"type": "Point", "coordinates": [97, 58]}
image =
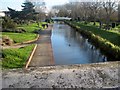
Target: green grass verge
{"type": "Point", "coordinates": [16, 58]}
{"type": "Point", "coordinates": [20, 37]}
{"type": "Point", "coordinates": [116, 29]}
{"type": "Point", "coordinates": [113, 37]}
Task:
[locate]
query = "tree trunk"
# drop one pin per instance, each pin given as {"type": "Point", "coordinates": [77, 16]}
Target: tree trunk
{"type": "Point", "coordinates": [107, 23]}
{"type": "Point", "coordinates": [100, 23]}
{"type": "Point", "coordinates": [94, 23]}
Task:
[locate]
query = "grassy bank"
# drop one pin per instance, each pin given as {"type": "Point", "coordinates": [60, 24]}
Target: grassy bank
{"type": "Point", "coordinates": [111, 36]}
{"type": "Point", "coordinates": [16, 58]}
{"type": "Point", "coordinates": [109, 49]}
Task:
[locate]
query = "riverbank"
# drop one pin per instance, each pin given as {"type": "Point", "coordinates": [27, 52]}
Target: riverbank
{"type": "Point", "coordinates": [110, 35]}
{"type": "Point", "coordinates": [97, 76]}
{"type": "Point", "coordinates": [107, 48]}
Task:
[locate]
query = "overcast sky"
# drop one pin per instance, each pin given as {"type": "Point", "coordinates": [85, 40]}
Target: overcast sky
{"type": "Point", "coordinates": [16, 4]}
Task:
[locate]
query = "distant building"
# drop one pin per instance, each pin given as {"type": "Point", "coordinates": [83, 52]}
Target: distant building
{"type": "Point", "coordinates": [2, 14]}
{"type": "Point", "coordinates": [40, 5]}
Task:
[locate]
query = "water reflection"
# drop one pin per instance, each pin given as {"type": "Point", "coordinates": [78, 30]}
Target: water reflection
{"type": "Point", "coordinates": [69, 47]}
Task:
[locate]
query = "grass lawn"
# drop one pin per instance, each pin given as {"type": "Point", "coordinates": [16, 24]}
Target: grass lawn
{"type": "Point", "coordinates": [116, 29]}
{"type": "Point", "coordinates": [31, 27]}
{"type": "Point", "coordinates": [113, 37]}
{"type": "Point", "coordinates": [28, 35]}
{"type": "Point", "coordinates": [20, 37]}
{"type": "Point", "coordinates": [16, 58]}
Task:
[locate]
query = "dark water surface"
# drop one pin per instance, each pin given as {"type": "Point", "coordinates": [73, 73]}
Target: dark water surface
{"type": "Point", "coordinates": [69, 47]}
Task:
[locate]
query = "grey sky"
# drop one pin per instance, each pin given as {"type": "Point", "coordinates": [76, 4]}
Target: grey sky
{"type": "Point", "coordinates": [16, 4]}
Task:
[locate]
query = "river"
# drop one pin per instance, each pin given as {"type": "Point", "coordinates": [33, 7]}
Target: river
{"type": "Point", "coordinates": [69, 47]}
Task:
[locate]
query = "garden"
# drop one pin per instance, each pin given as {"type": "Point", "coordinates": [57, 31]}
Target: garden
{"type": "Point", "coordinates": [17, 29]}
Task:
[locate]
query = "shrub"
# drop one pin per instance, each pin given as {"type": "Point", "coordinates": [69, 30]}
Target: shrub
{"type": "Point", "coordinates": [7, 41]}
{"type": "Point", "coordinates": [8, 23]}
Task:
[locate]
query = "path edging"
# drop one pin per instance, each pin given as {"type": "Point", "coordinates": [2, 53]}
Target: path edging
{"type": "Point", "coordinates": [30, 41]}
{"type": "Point", "coordinates": [30, 57]}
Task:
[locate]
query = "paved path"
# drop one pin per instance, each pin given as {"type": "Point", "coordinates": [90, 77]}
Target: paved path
{"type": "Point", "coordinates": [43, 55]}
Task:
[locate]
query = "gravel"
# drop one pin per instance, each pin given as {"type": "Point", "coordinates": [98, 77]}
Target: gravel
{"type": "Point", "coordinates": [99, 75]}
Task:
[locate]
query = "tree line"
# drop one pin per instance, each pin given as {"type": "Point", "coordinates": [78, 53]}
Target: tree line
{"type": "Point", "coordinates": [102, 12]}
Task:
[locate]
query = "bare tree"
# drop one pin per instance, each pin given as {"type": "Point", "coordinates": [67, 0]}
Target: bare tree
{"type": "Point", "coordinates": [94, 9]}
{"type": "Point", "coordinates": [110, 8]}
{"type": "Point", "coordinates": [104, 12]}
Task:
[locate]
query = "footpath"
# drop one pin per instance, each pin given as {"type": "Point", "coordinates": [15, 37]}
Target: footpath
{"type": "Point", "coordinates": [43, 55]}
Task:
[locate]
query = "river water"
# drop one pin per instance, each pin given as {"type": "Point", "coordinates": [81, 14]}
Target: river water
{"type": "Point", "coordinates": [69, 47]}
